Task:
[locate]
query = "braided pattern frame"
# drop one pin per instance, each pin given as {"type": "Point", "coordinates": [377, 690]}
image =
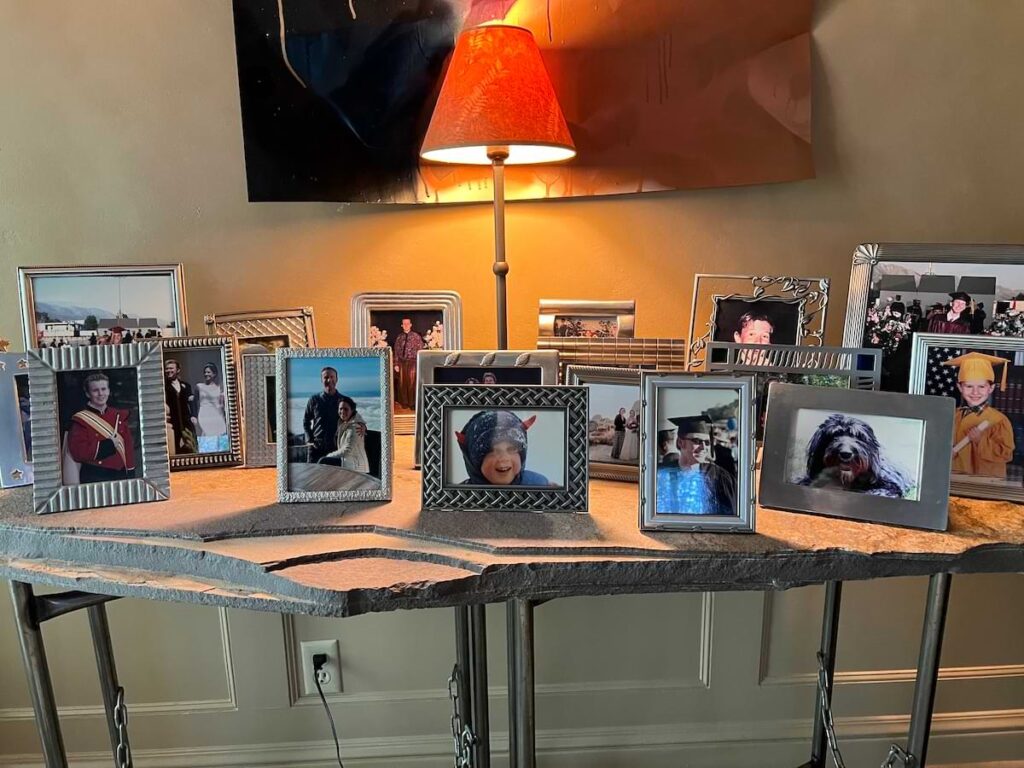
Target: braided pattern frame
{"type": "Point", "coordinates": [574, 401]}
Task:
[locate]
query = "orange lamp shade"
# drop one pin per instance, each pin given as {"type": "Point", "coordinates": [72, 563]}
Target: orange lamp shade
{"type": "Point", "coordinates": [497, 96]}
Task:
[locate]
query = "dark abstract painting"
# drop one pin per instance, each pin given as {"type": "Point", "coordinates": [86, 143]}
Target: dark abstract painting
{"type": "Point", "coordinates": [336, 95]}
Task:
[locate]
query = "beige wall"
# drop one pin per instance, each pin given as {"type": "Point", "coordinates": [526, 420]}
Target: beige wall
{"type": "Point", "coordinates": [120, 142]}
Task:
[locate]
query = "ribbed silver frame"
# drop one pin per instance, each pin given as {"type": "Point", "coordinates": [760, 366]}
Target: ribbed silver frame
{"type": "Point", "coordinates": [296, 324]}
{"type": "Point", "coordinates": [255, 370]}
{"type": "Point", "coordinates": [579, 375]}
{"type": "Point", "coordinates": [227, 349]}
{"type": "Point", "coordinates": [387, 448]}
{"type": "Point", "coordinates": [623, 311]}
{"type": "Point", "coordinates": [15, 468]}
{"type": "Point", "coordinates": [50, 494]}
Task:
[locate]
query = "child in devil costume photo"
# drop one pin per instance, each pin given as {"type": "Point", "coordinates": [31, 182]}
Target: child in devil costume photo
{"type": "Point", "coordinates": [494, 447]}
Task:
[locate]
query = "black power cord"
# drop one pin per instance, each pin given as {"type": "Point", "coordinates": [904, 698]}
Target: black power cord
{"type": "Point", "coordinates": [319, 660]}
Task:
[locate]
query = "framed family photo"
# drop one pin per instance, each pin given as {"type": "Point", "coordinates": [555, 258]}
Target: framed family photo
{"type": "Point", "coordinates": [204, 425]}
{"type": "Point", "coordinates": [98, 428]}
{"type": "Point", "coordinates": [859, 455]}
{"type": "Point", "coordinates": [613, 419]}
{"type": "Point", "coordinates": [407, 322]}
{"type": "Point", "coordinates": [984, 377]}
{"type": "Point", "coordinates": [748, 309]}
{"type": "Point", "coordinates": [101, 305]}
{"type": "Point", "coordinates": [505, 448]}
{"type": "Point", "coordinates": [15, 421]}
{"type": "Point", "coordinates": [334, 440]}
{"type": "Point", "coordinates": [586, 319]}
{"type": "Point", "coordinates": [900, 289]}
{"type": "Point", "coordinates": [271, 329]}
{"type": "Point", "coordinates": [840, 367]}
{"type": "Point", "coordinates": [259, 406]}
{"type": "Point", "coordinates": [697, 453]}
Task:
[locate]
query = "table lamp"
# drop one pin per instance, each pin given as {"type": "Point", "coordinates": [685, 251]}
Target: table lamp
{"type": "Point", "coordinates": [496, 107]}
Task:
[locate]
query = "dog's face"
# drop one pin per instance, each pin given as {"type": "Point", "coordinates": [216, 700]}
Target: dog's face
{"type": "Point", "coordinates": [848, 456]}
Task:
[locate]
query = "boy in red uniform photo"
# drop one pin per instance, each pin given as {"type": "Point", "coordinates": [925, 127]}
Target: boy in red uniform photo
{"type": "Point", "coordinates": [99, 438]}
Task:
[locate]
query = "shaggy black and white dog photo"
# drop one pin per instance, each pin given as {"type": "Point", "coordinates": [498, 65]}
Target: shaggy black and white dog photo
{"type": "Point", "coordinates": [844, 454]}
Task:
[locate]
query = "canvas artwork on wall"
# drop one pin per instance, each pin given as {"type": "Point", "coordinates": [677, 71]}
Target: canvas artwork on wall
{"type": "Point", "coordinates": [336, 96]}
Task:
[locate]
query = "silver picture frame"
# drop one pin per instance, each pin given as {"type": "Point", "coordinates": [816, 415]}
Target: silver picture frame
{"type": "Point", "coordinates": [50, 494]}
{"type": "Point", "coordinates": [225, 348]}
{"type": "Point", "coordinates": [440, 495]}
{"type": "Point", "coordinates": [642, 353]}
{"type": "Point", "coordinates": [427, 363]}
{"type": "Point", "coordinates": [621, 327]}
{"type": "Point", "coordinates": [448, 303]}
{"type": "Point", "coordinates": [923, 344]}
{"type": "Point", "coordinates": [809, 294]}
{"type": "Point", "coordinates": [382, 355]}
{"type": "Point", "coordinates": [15, 444]}
{"type": "Point", "coordinates": [584, 375]}
{"type": "Point", "coordinates": [259, 388]}
{"type": "Point", "coordinates": [295, 327]}
{"type": "Point", "coordinates": [174, 273]}
{"type": "Point", "coordinates": [743, 521]}
{"type": "Point", "coordinates": [929, 511]}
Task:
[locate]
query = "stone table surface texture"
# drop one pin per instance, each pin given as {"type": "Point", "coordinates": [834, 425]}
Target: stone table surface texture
{"type": "Point", "coordinates": [223, 539]}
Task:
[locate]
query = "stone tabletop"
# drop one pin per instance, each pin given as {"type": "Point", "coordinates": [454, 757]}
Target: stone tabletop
{"type": "Point", "coordinates": [223, 539]}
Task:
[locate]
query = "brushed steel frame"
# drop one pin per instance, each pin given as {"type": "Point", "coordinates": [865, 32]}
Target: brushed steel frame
{"type": "Point", "coordinates": [652, 353]}
{"type": "Point", "coordinates": [50, 494]}
{"type": "Point", "coordinates": [810, 294]}
{"type": "Point", "coordinates": [929, 512]}
{"type": "Point", "coordinates": [15, 467]}
{"type": "Point", "coordinates": [580, 375]}
{"type": "Point", "coordinates": [296, 324]}
{"type": "Point", "coordinates": [387, 450]}
{"type": "Point", "coordinates": [227, 349]}
{"type": "Point", "coordinates": [259, 452]}
{"type": "Point", "coordinates": [26, 290]}
{"type": "Point", "coordinates": [623, 311]}
{"type": "Point", "coordinates": [743, 521]}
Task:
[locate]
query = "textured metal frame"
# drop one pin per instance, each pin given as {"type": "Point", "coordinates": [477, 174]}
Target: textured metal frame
{"type": "Point", "coordinates": [15, 467]}
{"type": "Point", "coordinates": [430, 360]}
{"type": "Point", "coordinates": [580, 375]}
{"type": "Point", "coordinates": [448, 303]}
{"type": "Point", "coordinates": [624, 313]}
{"type": "Point", "coordinates": [227, 349]}
{"type": "Point", "coordinates": [295, 324]}
{"type": "Point", "coordinates": [918, 379]}
{"type": "Point", "coordinates": [26, 290]}
{"type": "Point", "coordinates": [387, 448]}
{"type": "Point", "coordinates": [654, 353]}
{"type": "Point", "coordinates": [743, 520]}
{"type": "Point", "coordinates": [929, 512]}
{"type": "Point", "coordinates": [437, 495]}
{"type": "Point", "coordinates": [50, 494]}
{"type": "Point", "coordinates": [810, 294]}
{"type": "Point", "coordinates": [867, 256]}
{"type": "Point", "coordinates": [259, 452]}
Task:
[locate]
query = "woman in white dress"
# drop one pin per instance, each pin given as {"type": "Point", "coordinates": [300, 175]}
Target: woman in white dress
{"type": "Point", "coordinates": [350, 447]}
{"type": "Point", "coordinates": [211, 422]}
{"type": "Point", "coordinates": [631, 442]}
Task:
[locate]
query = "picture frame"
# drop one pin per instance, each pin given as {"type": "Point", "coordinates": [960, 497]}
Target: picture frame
{"type": "Point", "coordinates": [259, 409]}
{"type": "Point", "coordinates": [708, 397]}
{"type": "Point", "coordinates": [562, 410]}
{"type": "Point", "coordinates": [304, 476]}
{"type": "Point", "coordinates": [787, 310]}
{"type": "Point", "coordinates": [842, 367]}
{"type": "Point", "coordinates": [269, 328]}
{"type": "Point", "coordinates": [377, 321]}
{"type": "Point", "coordinates": [204, 417]}
{"type": "Point", "coordinates": [115, 293]}
{"type": "Point", "coordinates": [649, 353]}
{"type": "Point", "coordinates": [56, 374]}
{"type": "Point", "coordinates": [887, 281]}
{"type": "Point", "coordinates": [603, 384]}
{"type": "Point", "coordinates": [15, 421]}
{"type": "Point", "coordinates": [931, 374]}
{"type": "Point", "coordinates": [858, 455]}
{"type": "Point", "coordinates": [569, 318]}
{"type": "Point", "coordinates": [542, 364]}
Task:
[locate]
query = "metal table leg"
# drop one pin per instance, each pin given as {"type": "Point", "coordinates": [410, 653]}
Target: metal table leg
{"type": "Point", "coordinates": [471, 681]}
{"type": "Point", "coordinates": [827, 660]}
{"type": "Point", "coordinates": [33, 654]}
{"type": "Point", "coordinates": [928, 668]}
{"type": "Point", "coordinates": [109, 686]}
{"type": "Point", "coordinates": [522, 723]}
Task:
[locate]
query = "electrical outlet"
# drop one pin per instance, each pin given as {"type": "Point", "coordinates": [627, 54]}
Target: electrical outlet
{"type": "Point", "coordinates": [330, 673]}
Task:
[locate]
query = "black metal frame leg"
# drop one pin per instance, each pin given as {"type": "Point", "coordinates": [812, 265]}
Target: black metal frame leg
{"type": "Point", "coordinates": [827, 659]}
{"type": "Point", "coordinates": [928, 668]}
{"type": "Point", "coordinates": [471, 681]}
{"type": "Point", "coordinates": [521, 712]}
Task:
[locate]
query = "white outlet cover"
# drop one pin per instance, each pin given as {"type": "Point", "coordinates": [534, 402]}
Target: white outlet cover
{"type": "Point", "coordinates": [332, 667]}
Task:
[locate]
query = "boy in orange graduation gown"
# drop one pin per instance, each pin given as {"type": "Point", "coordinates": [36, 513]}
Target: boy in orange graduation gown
{"type": "Point", "coordinates": [982, 436]}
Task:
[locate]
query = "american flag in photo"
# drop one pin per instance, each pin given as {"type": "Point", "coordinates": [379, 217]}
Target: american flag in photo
{"type": "Point", "coordinates": [941, 379]}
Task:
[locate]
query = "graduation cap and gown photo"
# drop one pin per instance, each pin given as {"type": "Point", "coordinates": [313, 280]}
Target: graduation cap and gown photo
{"type": "Point", "coordinates": [694, 484]}
{"type": "Point", "coordinates": [983, 441]}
